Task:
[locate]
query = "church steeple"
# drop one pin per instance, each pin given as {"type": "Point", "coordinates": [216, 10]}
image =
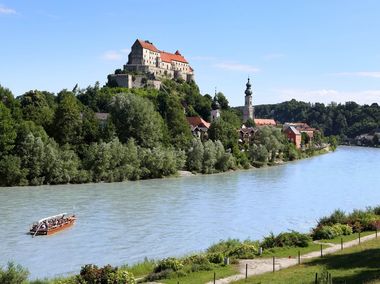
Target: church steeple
{"type": "Point", "coordinates": [248, 111]}
{"type": "Point", "coordinates": [248, 91]}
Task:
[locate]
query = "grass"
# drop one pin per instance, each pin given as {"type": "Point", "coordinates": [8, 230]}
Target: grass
{"type": "Point", "coordinates": [203, 276]}
{"type": "Point", "coordinates": [291, 251]}
{"type": "Point", "coordinates": [347, 238]}
{"type": "Point", "coordinates": [359, 264]}
{"type": "Point", "coordinates": [140, 269]}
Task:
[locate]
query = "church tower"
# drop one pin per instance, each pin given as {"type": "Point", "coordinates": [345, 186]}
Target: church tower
{"type": "Point", "coordinates": [248, 111]}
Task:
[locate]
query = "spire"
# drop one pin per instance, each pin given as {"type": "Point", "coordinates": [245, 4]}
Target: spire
{"type": "Point", "coordinates": [248, 90]}
{"type": "Point", "coordinates": [215, 104]}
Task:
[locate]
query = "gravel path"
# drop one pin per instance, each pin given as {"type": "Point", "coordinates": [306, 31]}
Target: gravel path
{"type": "Point", "coordinates": [263, 265]}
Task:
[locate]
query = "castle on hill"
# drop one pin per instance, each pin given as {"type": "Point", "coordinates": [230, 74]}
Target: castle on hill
{"type": "Point", "coordinates": [147, 65]}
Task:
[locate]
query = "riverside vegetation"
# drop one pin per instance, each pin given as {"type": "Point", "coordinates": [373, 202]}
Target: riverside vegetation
{"type": "Point", "coordinates": [57, 139]}
{"type": "Point", "coordinates": [197, 268]}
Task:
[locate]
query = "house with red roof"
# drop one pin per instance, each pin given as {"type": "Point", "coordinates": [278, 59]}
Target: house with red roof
{"type": "Point", "coordinates": [146, 58]}
{"type": "Point", "coordinates": [198, 126]}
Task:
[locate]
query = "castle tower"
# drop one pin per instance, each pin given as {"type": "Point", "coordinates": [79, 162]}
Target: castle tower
{"type": "Point", "coordinates": [248, 111]}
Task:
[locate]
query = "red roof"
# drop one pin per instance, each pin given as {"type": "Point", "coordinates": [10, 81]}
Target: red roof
{"type": "Point", "coordinates": [264, 121]}
{"type": "Point", "coordinates": [169, 57]}
{"type": "Point", "coordinates": [197, 121]}
{"type": "Point", "coordinates": [147, 45]}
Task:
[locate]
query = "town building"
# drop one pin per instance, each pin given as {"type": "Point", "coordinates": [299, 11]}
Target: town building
{"type": "Point", "coordinates": [293, 136]}
{"type": "Point", "coordinates": [148, 65]}
{"type": "Point", "coordinates": [248, 110]}
{"type": "Point", "coordinates": [198, 126]}
{"type": "Point", "coordinates": [264, 122]}
{"type": "Point", "coordinates": [294, 132]}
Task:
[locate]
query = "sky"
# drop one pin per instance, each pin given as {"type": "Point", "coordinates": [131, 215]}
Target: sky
{"type": "Point", "coordinates": [314, 51]}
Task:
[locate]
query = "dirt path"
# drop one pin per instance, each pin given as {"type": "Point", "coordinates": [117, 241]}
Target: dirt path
{"type": "Point", "coordinates": [263, 265]}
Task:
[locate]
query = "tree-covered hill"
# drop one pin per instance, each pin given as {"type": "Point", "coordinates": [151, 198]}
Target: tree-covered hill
{"type": "Point", "coordinates": [345, 120]}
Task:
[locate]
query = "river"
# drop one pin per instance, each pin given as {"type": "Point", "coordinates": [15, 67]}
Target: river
{"type": "Point", "coordinates": [122, 223]}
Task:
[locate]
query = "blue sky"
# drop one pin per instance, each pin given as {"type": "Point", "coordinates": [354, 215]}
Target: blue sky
{"type": "Point", "coordinates": [317, 51]}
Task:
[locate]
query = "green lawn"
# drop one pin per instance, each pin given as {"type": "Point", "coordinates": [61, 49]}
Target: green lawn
{"type": "Point", "coordinates": [203, 276]}
{"type": "Point", "coordinates": [292, 251]}
{"type": "Point", "coordinates": [348, 238]}
{"type": "Point", "coordinates": [359, 264]}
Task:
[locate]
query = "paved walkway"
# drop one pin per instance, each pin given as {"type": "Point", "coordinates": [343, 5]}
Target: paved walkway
{"type": "Point", "coordinates": [264, 265]}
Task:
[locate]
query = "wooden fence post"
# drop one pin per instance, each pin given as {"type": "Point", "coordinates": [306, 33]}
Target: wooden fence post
{"type": "Point", "coordinates": [341, 243]}
{"type": "Point", "coordinates": [321, 251]}
{"type": "Point", "coordinates": [299, 257]}
{"type": "Point", "coordinates": [274, 267]}
{"type": "Point", "coordinates": [359, 238]}
{"type": "Point", "coordinates": [214, 277]}
{"type": "Point", "coordinates": [246, 271]}
{"type": "Point", "coordinates": [316, 278]}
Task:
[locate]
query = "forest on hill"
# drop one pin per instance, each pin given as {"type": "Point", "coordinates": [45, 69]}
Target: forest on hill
{"type": "Point", "coordinates": [344, 120]}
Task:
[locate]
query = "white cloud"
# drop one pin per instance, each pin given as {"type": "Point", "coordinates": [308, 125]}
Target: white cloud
{"type": "Point", "coordinates": [112, 55]}
{"type": "Point", "coordinates": [329, 95]}
{"type": "Point", "coordinates": [367, 74]}
{"type": "Point", "coordinates": [234, 66]}
{"type": "Point", "coordinates": [6, 10]}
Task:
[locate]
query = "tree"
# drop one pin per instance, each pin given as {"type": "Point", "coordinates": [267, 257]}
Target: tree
{"type": "Point", "coordinates": [195, 156]}
{"type": "Point", "coordinates": [209, 157]}
{"type": "Point", "coordinates": [171, 110]}
{"type": "Point", "coordinates": [222, 100]}
{"type": "Point", "coordinates": [68, 120]}
{"type": "Point", "coordinates": [11, 173]}
{"type": "Point", "coordinates": [224, 132]}
{"type": "Point", "coordinates": [35, 107]}
{"type": "Point", "coordinates": [135, 117]}
{"type": "Point", "coordinates": [7, 130]}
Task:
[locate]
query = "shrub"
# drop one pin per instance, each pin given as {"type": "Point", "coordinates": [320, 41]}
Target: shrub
{"type": "Point", "coordinates": [244, 251]}
{"type": "Point", "coordinates": [168, 263]}
{"type": "Point", "coordinates": [234, 248]}
{"type": "Point", "coordinates": [269, 241]}
{"type": "Point", "coordinates": [287, 239]}
{"type": "Point", "coordinates": [323, 232]}
{"type": "Point", "coordinates": [13, 274]}
{"type": "Point", "coordinates": [91, 274]}
{"type": "Point", "coordinates": [196, 259]}
{"type": "Point", "coordinates": [159, 275]}
{"type": "Point", "coordinates": [224, 246]}
{"type": "Point", "coordinates": [216, 257]}
{"type": "Point", "coordinates": [362, 220]}
{"type": "Point", "coordinates": [292, 239]}
{"type": "Point", "coordinates": [342, 229]}
{"type": "Point", "coordinates": [376, 210]}
{"type": "Point", "coordinates": [338, 216]}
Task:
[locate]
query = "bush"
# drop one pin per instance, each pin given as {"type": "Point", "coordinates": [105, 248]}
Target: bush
{"type": "Point", "coordinates": [13, 274]}
{"type": "Point", "coordinates": [323, 233]}
{"type": "Point", "coordinates": [338, 216]}
{"type": "Point", "coordinates": [292, 239]}
{"type": "Point", "coordinates": [376, 210]}
{"type": "Point", "coordinates": [244, 251]}
{"type": "Point", "coordinates": [287, 239]}
{"type": "Point", "coordinates": [196, 259]}
{"type": "Point", "coordinates": [235, 248]}
{"type": "Point", "coordinates": [91, 274]}
{"type": "Point", "coordinates": [362, 220]}
{"type": "Point", "coordinates": [345, 230]}
{"type": "Point", "coordinates": [159, 275]}
{"type": "Point", "coordinates": [215, 257]}
{"type": "Point", "coordinates": [168, 263]}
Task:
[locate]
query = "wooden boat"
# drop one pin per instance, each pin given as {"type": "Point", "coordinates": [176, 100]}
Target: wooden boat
{"type": "Point", "coordinates": [52, 224]}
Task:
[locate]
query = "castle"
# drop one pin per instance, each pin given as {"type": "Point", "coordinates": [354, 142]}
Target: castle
{"type": "Point", "coordinates": [147, 65]}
